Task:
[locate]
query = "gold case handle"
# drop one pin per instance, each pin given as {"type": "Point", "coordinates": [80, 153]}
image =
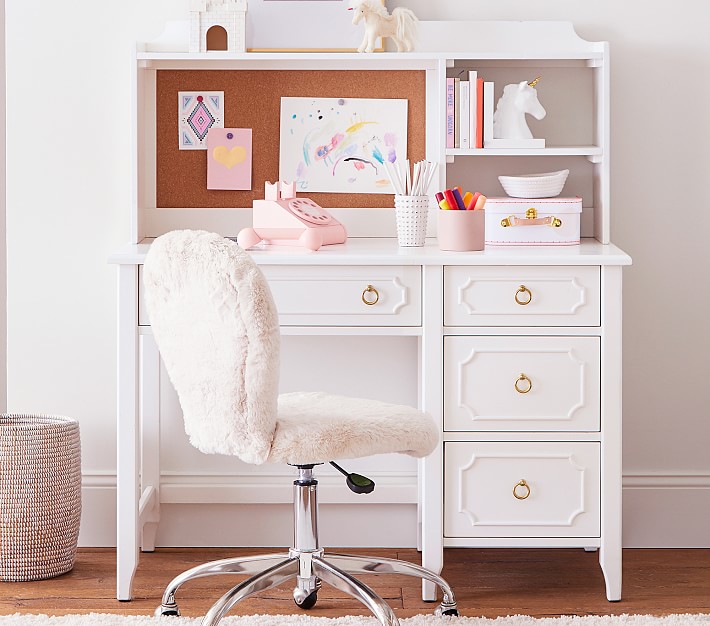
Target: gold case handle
{"type": "Point", "coordinates": [522, 485]}
{"type": "Point", "coordinates": [531, 219]}
{"type": "Point", "coordinates": [370, 290]}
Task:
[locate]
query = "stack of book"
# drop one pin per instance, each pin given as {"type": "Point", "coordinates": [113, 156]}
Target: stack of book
{"type": "Point", "coordinates": [469, 111]}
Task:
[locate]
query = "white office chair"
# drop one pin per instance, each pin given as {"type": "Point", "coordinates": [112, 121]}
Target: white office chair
{"type": "Point", "coordinates": [217, 328]}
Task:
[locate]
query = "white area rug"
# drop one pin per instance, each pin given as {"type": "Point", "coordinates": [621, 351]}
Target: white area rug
{"type": "Point", "coordinates": [102, 619]}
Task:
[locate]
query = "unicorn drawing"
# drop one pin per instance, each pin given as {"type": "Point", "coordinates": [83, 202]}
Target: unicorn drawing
{"type": "Point", "coordinates": [509, 119]}
{"type": "Point", "coordinates": [401, 25]}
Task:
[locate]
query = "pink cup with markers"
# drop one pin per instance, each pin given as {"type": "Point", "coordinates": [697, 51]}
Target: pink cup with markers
{"type": "Point", "coordinates": [461, 231]}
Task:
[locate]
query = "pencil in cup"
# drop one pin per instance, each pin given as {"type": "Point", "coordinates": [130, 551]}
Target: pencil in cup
{"type": "Point", "coordinates": [410, 182]}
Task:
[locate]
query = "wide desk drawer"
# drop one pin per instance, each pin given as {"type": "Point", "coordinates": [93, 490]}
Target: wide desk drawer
{"type": "Point", "coordinates": [522, 383]}
{"type": "Point", "coordinates": [521, 489]}
{"type": "Point", "coordinates": [522, 296]}
{"type": "Point", "coordinates": [338, 296]}
{"type": "Point", "coordinates": [346, 295]}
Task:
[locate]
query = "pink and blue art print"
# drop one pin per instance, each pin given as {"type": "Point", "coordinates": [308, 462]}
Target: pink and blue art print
{"type": "Point", "coordinates": [198, 111]}
{"type": "Point", "coordinates": [341, 144]}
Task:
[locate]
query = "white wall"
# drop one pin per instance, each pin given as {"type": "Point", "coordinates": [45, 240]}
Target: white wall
{"type": "Point", "coordinates": [68, 197]}
{"type": "Point", "coordinates": [3, 247]}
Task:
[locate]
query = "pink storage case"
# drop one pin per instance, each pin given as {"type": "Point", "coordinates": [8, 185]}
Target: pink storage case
{"type": "Point", "coordinates": [533, 221]}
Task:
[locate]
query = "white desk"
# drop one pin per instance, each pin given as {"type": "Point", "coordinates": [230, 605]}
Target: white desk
{"type": "Point", "coordinates": [563, 437]}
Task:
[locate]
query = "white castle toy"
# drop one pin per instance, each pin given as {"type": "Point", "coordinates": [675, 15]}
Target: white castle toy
{"type": "Point", "coordinates": [218, 25]}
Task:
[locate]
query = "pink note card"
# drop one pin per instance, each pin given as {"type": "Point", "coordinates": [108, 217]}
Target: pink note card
{"type": "Point", "coordinates": [229, 158]}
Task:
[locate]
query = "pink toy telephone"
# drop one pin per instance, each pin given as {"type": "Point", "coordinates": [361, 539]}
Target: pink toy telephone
{"type": "Point", "coordinates": [282, 218]}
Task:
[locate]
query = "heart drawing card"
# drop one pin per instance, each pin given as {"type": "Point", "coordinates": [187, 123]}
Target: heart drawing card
{"type": "Point", "coordinates": [229, 158]}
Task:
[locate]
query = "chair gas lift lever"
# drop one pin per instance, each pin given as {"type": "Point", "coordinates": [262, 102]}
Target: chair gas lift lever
{"type": "Point", "coordinates": [355, 482]}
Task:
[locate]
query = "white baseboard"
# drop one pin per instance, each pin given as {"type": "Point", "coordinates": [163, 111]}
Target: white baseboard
{"type": "Point", "coordinates": [660, 511]}
{"type": "Point", "coordinates": [666, 510]}
{"type": "Point", "coordinates": [98, 511]}
{"type": "Point", "coordinates": [271, 525]}
{"type": "Point", "coordinates": [243, 512]}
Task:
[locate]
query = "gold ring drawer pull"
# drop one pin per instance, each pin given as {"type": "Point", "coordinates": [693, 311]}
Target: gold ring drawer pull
{"type": "Point", "coordinates": [521, 490]}
{"type": "Point", "coordinates": [522, 290]}
{"type": "Point", "coordinates": [523, 384]}
{"type": "Point", "coordinates": [374, 295]}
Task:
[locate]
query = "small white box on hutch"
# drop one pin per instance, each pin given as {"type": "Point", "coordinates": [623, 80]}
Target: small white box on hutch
{"type": "Point", "coordinates": [533, 222]}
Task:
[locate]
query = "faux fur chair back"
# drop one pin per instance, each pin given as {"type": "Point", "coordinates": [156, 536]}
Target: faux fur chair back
{"type": "Point", "coordinates": [216, 325]}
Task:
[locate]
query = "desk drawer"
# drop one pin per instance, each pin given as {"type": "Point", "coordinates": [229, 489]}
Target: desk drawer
{"type": "Point", "coordinates": [339, 296]}
{"type": "Point", "coordinates": [522, 383]}
{"type": "Point", "coordinates": [522, 296]}
{"type": "Point", "coordinates": [333, 296]}
{"type": "Point", "coordinates": [485, 496]}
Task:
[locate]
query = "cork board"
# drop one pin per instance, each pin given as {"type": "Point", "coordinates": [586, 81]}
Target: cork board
{"type": "Point", "coordinates": [253, 100]}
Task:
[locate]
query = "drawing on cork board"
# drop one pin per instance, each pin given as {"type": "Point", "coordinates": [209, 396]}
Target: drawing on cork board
{"type": "Point", "coordinates": [341, 144]}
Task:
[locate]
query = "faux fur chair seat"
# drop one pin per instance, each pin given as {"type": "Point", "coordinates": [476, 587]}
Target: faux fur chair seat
{"type": "Point", "coordinates": [320, 427]}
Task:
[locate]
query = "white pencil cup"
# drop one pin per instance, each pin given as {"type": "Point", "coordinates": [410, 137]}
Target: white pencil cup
{"type": "Point", "coordinates": [411, 213]}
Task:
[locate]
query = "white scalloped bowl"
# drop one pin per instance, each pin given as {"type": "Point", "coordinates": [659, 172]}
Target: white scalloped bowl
{"type": "Point", "coordinates": [546, 185]}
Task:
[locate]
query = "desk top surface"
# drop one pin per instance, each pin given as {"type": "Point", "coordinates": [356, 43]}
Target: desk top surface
{"type": "Point", "coordinates": [385, 251]}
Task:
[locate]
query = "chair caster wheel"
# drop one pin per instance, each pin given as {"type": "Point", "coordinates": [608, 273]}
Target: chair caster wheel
{"type": "Point", "coordinates": [308, 602]}
{"type": "Point", "coordinates": [167, 611]}
{"type": "Point", "coordinates": [452, 612]}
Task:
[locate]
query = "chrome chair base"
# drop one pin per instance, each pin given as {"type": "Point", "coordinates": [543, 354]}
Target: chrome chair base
{"type": "Point", "coordinates": [309, 567]}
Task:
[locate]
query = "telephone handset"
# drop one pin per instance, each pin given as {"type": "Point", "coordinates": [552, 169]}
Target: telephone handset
{"type": "Point", "coordinates": [282, 218]}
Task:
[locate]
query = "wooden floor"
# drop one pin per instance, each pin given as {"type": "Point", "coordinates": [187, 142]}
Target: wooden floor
{"type": "Point", "coordinates": [487, 583]}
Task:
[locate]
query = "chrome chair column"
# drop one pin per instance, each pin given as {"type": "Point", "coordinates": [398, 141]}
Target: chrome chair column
{"type": "Point", "coordinates": [305, 510]}
{"type": "Point", "coordinates": [305, 536]}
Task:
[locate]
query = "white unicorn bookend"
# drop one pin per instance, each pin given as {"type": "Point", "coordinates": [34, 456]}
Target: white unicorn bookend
{"type": "Point", "coordinates": [510, 128]}
{"type": "Point", "coordinates": [401, 26]}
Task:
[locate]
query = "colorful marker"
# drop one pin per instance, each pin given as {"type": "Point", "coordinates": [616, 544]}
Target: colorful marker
{"type": "Point", "coordinates": [458, 198]}
{"type": "Point", "coordinates": [450, 199]}
{"type": "Point", "coordinates": [471, 204]}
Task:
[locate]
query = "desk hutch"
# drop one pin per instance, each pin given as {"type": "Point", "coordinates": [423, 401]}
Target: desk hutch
{"type": "Point", "coordinates": [515, 468]}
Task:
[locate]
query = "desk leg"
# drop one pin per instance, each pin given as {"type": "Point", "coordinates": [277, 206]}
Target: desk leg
{"type": "Point", "coordinates": [432, 532]}
{"type": "Point", "coordinates": [127, 432]}
{"type": "Point", "coordinates": [610, 553]}
{"type": "Point", "coordinates": [431, 468]}
{"type": "Point", "coordinates": [149, 510]}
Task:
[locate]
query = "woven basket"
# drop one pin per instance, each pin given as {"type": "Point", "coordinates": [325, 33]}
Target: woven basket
{"type": "Point", "coordinates": [40, 496]}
